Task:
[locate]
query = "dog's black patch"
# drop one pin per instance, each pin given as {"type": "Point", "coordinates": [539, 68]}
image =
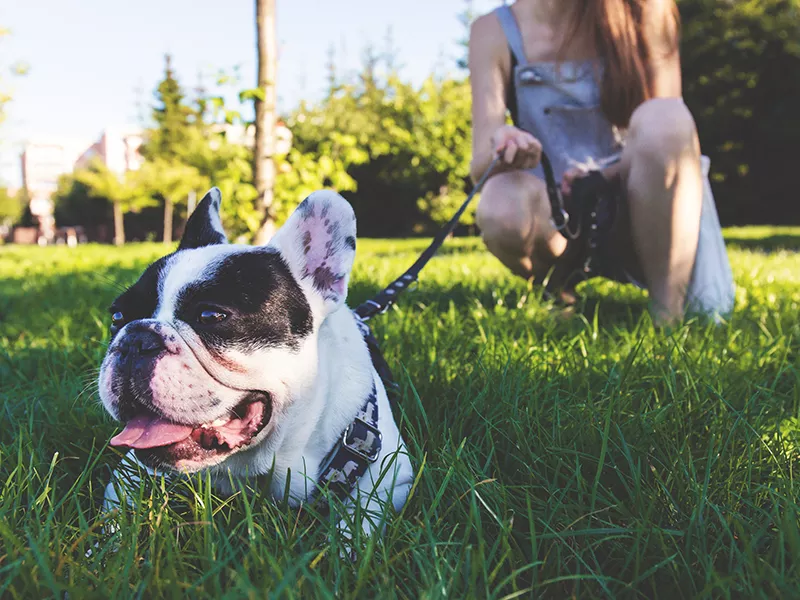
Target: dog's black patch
{"type": "Point", "coordinates": [140, 300]}
{"type": "Point", "coordinates": [264, 303]}
{"type": "Point", "coordinates": [304, 208]}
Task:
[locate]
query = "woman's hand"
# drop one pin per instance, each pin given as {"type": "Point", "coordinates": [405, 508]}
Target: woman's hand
{"type": "Point", "coordinates": [570, 175]}
{"type": "Point", "coordinates": [517, 149]}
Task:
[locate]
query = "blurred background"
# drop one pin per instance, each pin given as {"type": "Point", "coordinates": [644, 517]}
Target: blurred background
{"type": "Point", "coordinates": [116, 117]}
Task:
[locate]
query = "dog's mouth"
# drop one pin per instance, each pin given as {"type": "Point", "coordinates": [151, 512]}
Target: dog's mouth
{"type": "Point", "coordinates": [167, 441]}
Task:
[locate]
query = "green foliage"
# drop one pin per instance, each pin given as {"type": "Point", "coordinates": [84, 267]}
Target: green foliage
{"type": "Point", "coordinates": [312, 163]}
{"type": "Point", "coordinates": [173, 119]}
{"type": "Point", "coordinates": [741, 68]}
{"type": "Point", "coordinates": [225, 165]}
{"type": "Point", "coordinates": [443, 139]}
{"type": "Point", "coordinates": [300, 174]}
{"type": "Point", "coordinates": [102, 183]}
{"type": "Point", "coordinates": [583, 457]}
{"type": "Point", "coordinates": [11, 207]}
{"type": "Point", "coordinates": [75, 204]}
{"type": "Point", "coordinates": [170, 180]}
{"type": "Point", "coordinates": [406, 149]}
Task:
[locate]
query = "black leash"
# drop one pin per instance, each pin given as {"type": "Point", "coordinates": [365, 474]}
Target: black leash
{"type": "Point", "coordinates": [382, 301]}
{"type": "Point", "coordinates": [591, 212]}
{"type": "Point", "coordinates": [588, 194]}
{"type": "Point", "coordinates": [560, 216]}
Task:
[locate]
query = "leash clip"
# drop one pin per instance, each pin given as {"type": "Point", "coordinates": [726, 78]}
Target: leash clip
{"type": "Point", "coordinates": [346, 443]}
{"type": "Point", "coordinates": [563, 217]}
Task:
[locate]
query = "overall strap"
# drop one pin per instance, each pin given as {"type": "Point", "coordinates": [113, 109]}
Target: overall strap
{"type": "Point", "coordinates": [512, 33]}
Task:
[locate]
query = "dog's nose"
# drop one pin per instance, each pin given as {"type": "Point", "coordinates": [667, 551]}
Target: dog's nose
{"type": "Point", "coordinates": [142, 343]}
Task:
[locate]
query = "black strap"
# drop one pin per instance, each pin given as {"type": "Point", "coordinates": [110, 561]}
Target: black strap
{"type": "Point", "coordinates": [361, 443]}
{"type": "Point", "coordinates": [560, 216]}
{"type": "Point", "coordinates": [378, 361]}
{"type": "Point", "coordinates": [592, 206]}
{"type": "Point", "coordinates": [382, 301]}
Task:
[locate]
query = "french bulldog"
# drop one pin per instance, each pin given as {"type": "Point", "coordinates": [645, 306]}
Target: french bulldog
{"type": "Point", "coordinates": [245, 361]}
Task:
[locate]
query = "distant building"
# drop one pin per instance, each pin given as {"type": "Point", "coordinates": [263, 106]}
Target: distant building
{"type": "Point", "coordinates": [43, 162]}
{"type": "Point", "coordinates": [118, 149]}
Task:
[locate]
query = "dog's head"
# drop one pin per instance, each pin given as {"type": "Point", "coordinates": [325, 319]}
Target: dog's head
{"type": "Point", "coordinates": [214, 341]}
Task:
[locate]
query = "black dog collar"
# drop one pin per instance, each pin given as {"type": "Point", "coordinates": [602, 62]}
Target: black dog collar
{"type": "Point", "coordinates": [358, 447]}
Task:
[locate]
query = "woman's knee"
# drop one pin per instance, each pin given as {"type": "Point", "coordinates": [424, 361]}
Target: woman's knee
{"type": "Point", "coordinates": [505, 211]}
{"type": "Point", "coordinates": [664, 130]}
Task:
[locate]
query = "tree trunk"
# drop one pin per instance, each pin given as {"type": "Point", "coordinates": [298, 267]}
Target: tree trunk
{"type": "Point", "coordinates": [119, 225]}
{"type": "Point", "coordinates": [169, 209]}
{"type": "Point", "coordinates": [264, 147]}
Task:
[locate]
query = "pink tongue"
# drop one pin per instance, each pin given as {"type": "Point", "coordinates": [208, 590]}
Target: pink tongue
{"type": "Point", "coordinates": [151, 432]}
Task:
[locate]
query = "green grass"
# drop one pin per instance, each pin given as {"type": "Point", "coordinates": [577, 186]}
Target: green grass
{"type": "Point", "coordinates": [589, 456]}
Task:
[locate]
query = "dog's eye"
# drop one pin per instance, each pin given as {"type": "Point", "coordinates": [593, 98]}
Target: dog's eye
{"type": "Point", "coordinates": [209, 317]}
{"type": "Point", "coordinates": [117, 321]}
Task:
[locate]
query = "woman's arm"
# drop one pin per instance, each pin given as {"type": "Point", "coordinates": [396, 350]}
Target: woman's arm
{"type": "Point", "coordinates": [662, 34]}
{"type": "Point", "coordinates": [489, 69]}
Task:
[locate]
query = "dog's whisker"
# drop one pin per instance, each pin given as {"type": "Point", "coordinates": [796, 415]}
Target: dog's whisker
{"type": "Point", "coordinates": [105, 278]}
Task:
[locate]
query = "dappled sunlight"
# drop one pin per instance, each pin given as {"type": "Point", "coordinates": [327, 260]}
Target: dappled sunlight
{"type": "Point", "coordinates": [786, 437]}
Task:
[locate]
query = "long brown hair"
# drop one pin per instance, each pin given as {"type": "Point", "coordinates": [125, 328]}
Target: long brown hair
{"type": "Point", "coordinates": [621, 39]}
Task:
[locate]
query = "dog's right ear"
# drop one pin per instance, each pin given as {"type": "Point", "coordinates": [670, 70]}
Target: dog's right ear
{"type": "Point", "coordinates": [204, 227]}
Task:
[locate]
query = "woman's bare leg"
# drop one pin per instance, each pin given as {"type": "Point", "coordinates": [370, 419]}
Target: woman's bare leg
{"type": "Point", "coordinates": [514, 217]}
{"type": "Point", "coordinates": [660, 169]}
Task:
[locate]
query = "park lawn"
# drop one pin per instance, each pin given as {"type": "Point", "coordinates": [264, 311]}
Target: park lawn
{"type": "Point", "coordinates": [588, 455]}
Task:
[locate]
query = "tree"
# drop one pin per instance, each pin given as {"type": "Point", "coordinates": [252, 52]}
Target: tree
{"type": "Point", "coordinates": [391, 53]}
{"type": "Point", "coordinates": [172, 181]}
{"type": "Point", "coordinates": [741, 73]}
{"type": "Point", "coordinates": [123, 193]}
{"type": "Point", "coordinates": [404, 149]}
{"type": "Point", "coordinates": [75, 205]}
{"type": "Point", "coordinates": [11, 207]}
{"type": "Point", "coordinates": [265, 121]}
{"type": "Point", "coordinates": [332, 73]}
{"type": "Point", "coordinates": [224, 163]}
{"type": "Point", "coordinates": [167, 145]}
{"type": "Point", "coordinates": [173, 118]}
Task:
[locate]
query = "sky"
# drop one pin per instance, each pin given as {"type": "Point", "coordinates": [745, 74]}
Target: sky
{"type": "Point", "coordinates": [94, 63]}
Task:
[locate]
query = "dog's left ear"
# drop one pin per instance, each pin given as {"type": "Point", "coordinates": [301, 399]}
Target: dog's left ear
{"type": "Point", "coordinates": [318, 243]}
{"type": "Point", "coordinates": [204, 227]}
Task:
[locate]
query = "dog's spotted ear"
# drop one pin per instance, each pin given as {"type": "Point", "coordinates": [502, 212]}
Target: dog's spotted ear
{"type": "Point", "coordinates": [319, 244]}
{"type": "Point", "coordinates": [204, 227]}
